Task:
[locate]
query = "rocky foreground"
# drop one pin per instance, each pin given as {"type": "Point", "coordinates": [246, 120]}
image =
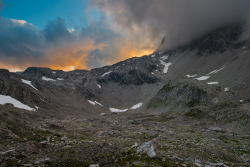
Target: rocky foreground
{"type": "Point", "coordinates": [194, 138]}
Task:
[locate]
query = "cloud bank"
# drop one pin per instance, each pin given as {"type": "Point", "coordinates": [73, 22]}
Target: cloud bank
{"type": "Point", "coordinates": [179, 20]}
{"type": "Point", "coordinates": [23, 45]}
{"type": "Point", "coordinates": [127, 28]}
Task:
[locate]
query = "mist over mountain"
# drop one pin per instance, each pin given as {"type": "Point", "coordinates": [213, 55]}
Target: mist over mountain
{"type": "Point", "coordinates": [179, 21]}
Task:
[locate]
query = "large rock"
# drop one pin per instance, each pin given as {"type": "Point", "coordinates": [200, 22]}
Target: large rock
{"type": "Point", "coordinates": [94, 165]}
{"type": "Point", "coordinates": [64, 138]}
{"type": "Point", "coordinates": [147, 148]}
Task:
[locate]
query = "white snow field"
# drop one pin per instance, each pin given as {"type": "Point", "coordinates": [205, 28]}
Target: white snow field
{"type": "Point", "coordinates": [136, 106]}
{"type": "Point", "coordinates": [165, 70]}
{"type": "Point", "coordinates": [117, 110]}
{"type": "Point", "coordinates": [47, 79]}
{"type": "Point", "coordinates": [191, 76]}
{"type": "Point", "coordinates": [106, 73]}
{"type": "Point", "coordinates": [164, 57]}
{"type": "Point", "coordinates": [202, 78]}
{"type": "Point", "coordinates": [99, 86]}
{"type": "Point", "coordinates": [91, 102]}
{"type": "Point", "coordinates": [60, 79]}
{"type": "Point", "coordinates": [212, 83]}
{"type": "Point", "coordinates": [215, 71]}
{"type": "Point", "coordinates": [7, 99]}
{"type": "Point", "coordinates": [94, 102]}
{"type": "Point", "coordinates": [152, 55]}
{"type": "Point", "coordinates": [29, 83]}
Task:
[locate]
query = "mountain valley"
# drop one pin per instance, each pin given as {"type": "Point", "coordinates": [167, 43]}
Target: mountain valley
{"type": "Point", "coordinates": [189, 105]}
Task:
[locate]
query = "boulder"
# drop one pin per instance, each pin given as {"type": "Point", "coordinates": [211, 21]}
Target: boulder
{"type": "Point", "coordinates": [94, 165]}
{"type": "Point", "coordinates": [147, 148]}
{"type": "Point", "coordinates": [64, 138]}
{"type": "Point", "coordinates": [44, 142]}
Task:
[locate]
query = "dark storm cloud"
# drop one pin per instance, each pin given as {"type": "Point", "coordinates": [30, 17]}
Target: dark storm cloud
{"type": "Point", "coordinates": [18, 38]}
{"type": "Point", "coordinates": [179, 20]}
{"type": "Point", "coordinates": [23, 44]}
{"type": "Point", "coordinates": [99, 32]}
{"type": "Point", "coordinates": [127, 28]}
{"type": "Point", "coordinates": [57, 32]}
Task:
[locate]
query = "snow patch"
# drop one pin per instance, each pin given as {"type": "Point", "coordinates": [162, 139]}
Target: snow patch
{"type": "Point", "coordinates": [60, 79]}
{"type": "Point", "coordinates": [152, 55]}
{"type": "Point", "coordinates": [165, 70]}
{"type": "Point", "coordinates": [243, 52]}
{"type": "Point", "coordinates": [191, 76]}
{"type": "Point", "coordinates": [91, 102]}
{"type": "Point", "coordinates": [102, 114]}
{"type": "Point", "coordinates": [36, 107]}
{"type": "Point", "coordinates": [47, 79]}
{"type": "Point", "coordinates": [54, 72]}
{"type": "Point", "coordinates": [28, 82]}
{"type": "Point", "coordinates": [117, 110]}
{"type": "Point", "coordinates": [164, 57]}
{"type": "Point", "coordinates": [99, 86]}
{"type": "Point", "coordinates": [212, 83]}
{"type": "Point", "coordinates": [136, 106]}
{"type": "Point", "coordinates": [106, 73]}
{"type": "Point", "coordinates": [226, 89]}
{"type": "Point", "coordinates": [7, 99]}
{"type": "Point", "coordinates": [161, 52]}
{"type": "Point", "coordinates": [94, 102]}
{"type": "Point", "coordinates": [98, 103]}
{"type": "Point", "coordinates": [202, 78]}
{"type": "Point", "coordinates": [152, 73]}
{"type": "Point", "coordinates": [215, 71]}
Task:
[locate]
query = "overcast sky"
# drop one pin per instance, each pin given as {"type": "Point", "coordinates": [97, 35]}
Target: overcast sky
{"type": "Point", "coordinates": [85, 34]}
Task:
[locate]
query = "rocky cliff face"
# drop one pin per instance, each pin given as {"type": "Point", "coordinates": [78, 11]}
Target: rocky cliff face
{"type": "Point", "coordinates": [11, 85]}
